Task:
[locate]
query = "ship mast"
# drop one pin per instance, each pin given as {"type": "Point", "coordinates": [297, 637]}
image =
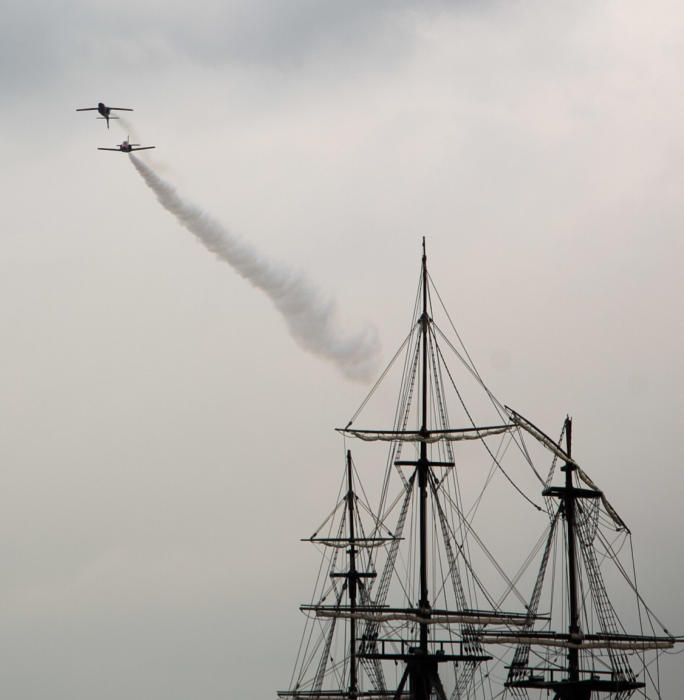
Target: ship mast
{"type": "Point", "coordinates": [423, 466]}
{"type": "Point", "coordinates": [569, 505]}
{"type": "Point", "coordinates": [422, 662]}
{"type": "Point", "coordinates": [578, 681]}
{"type": "Point", "coordinates": [576, 687]}
{"type": "Point", "coordinates": [345, 533]}
{"type": "Point", "coordinates": [353, 576]}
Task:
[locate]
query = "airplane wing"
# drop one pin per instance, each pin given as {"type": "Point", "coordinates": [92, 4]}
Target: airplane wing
{"type": "Point", "coordinates": [122, 109]}
{"type": "Point", "coordinates": [109, 149]}
{"type": "Point", "coordinates": [87, 109]}
{"type": "Point", "coordinates": [144, 148]}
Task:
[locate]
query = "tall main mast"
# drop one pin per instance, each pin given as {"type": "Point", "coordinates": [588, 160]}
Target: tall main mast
{"type": "Point", "coordinates": [423, 466]}
{"type": "Point", "coordinates": [422, 662]}
{"type": "Point", "coordinates": [412, 640]}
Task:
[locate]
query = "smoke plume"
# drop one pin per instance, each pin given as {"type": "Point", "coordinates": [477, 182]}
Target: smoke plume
{"type": "Point", "coordinates": [309, 316]}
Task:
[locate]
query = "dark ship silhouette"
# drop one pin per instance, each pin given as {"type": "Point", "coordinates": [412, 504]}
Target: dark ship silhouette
{"type": "Point", "coordinates": [405, 605]}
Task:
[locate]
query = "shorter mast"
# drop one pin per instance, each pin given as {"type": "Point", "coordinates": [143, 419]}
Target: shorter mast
{"type": "Point", "coordinates": [353, 578]}
{"type": "Point", "coordinates": [347, 533]}
{"type": "Point", "coordinates": [569, 506]}
{"type": "Point", "coordinates": [577, 681]}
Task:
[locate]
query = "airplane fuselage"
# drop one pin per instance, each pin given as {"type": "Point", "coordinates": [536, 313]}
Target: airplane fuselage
{"type": "Point", "coordinates": [104, 111]}
{"type": "Point", "coordinates": [127, 147]}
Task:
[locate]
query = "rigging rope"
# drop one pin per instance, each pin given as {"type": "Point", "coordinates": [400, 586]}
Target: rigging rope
{"type": "Point", "coordinates": [380, 379]}
{"type": "Point", "coordinates": [486, 446]}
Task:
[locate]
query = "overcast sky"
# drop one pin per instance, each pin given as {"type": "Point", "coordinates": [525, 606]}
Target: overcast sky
{"type": "Point", "coordinates": [164, 442]}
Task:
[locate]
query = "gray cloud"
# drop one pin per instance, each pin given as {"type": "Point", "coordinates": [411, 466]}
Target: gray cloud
{"type": "Point", "coordinates": [41, 44]}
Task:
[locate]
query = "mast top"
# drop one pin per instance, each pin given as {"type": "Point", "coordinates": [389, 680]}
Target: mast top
{"type": "Point", "coordinates": [570, 466]}
{"type": "Point", "coordinates": [424, 254]}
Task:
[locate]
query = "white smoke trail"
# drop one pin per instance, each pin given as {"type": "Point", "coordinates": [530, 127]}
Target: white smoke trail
{"type": "Point", "coordinates": [310, 318]}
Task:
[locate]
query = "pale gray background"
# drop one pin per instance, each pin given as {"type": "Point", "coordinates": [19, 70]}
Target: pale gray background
{"type": "Point", "coordinates": [163, 441]}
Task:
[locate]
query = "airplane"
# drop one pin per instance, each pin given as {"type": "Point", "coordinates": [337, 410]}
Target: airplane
{"type": "Point", "coordinates": [125, 147]}
{"type": "Point", "coordinates": [104, 111]}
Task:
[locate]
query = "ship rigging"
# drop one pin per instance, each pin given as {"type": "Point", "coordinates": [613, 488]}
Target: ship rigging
{"type": "Point", "coordinates": [449, 632]}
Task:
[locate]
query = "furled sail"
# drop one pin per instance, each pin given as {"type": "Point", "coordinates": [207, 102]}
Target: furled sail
{"type": "Point", "coordinates": [448, 619]}
{"type": "Point", "coordinates": [432, 437]}
{"type": "Point", "coordinates": [545, 440]}
{"type": "Point", "coordinates": [644, 644]}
